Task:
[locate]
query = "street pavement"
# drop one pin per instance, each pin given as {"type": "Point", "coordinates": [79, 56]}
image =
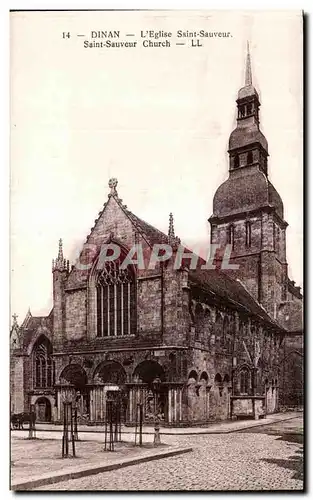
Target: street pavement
{"type": "Point", "coordinates": [263, 458]}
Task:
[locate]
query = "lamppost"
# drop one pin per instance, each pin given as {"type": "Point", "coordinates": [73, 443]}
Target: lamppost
{"type": "Point", "coordinates": [75, 413]}
{"type": "Point", "coordinates": [67, 401]}
{"type": "Point", "coordinates": [156, 385]}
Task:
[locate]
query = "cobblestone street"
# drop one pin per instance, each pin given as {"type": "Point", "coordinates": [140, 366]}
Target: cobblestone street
{"type": "Point", "coordinates": [265, 458]}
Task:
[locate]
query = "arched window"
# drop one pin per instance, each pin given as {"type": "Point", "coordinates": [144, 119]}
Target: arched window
{"type": "Point", "coordinates": [43, 366]}
{"type": "Point", "coordinates": [248, 233]}
{"type": "Point", "coordinates": [249, 158]}
{"type": "Point", "coordinates": [249, 109]}
{"type": "Point", "coordinates": [241, 112]}
{"type": "Point", "coordinates": [236, 161]}
{"type": "Point", "coordinates": [244, 381]}
{"type": "Point", "coordinates": [116, 301]}
{"type": "Point", "coordinates": [230, 236]}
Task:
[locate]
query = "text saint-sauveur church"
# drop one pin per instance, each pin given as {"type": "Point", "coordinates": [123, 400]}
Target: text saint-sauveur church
{"type": "Point", "coordinates": [216, 344]}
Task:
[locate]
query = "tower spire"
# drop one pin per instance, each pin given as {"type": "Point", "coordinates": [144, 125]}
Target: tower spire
{"type": "Point", "coordinates": [172, 239]}
{"type": "Point", "coordinates": [60, 254]}
{"type": "Point", "coordinates": [248, 75]}
{"type": "Point", "coordinates": [171, 232]}
{"type": "Point", "coordinates": [60, 263]}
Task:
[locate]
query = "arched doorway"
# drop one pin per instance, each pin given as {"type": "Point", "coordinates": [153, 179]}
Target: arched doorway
{"type": "Point", "coordinates": [109, 381]}
{"type": "Point", "coordinates": [43, 410]}
{"type": "Point", "coordinates": [147, 371]}
{"type": "Point", "coordinates": [74, 375]}
{"type": "Point", "coordinates": [148, 388]}
{"type": "Point", "coordinates": [110, 372]}
{"type": "Point", "coordinates": [72, 386]}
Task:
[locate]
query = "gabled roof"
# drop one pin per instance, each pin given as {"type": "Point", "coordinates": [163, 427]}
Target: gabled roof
{"type": "Point", "coordinates": [31, 324]}
{"type": "Point", "coordinates": [153, 234]}
{"type": "Point", "coordinates": [217, 282]}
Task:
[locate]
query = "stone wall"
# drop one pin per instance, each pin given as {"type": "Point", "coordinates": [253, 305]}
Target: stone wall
{"type": "Point", "coordinates": [75, 314]}
{"type": "Point", "coordinates": [17, 377]}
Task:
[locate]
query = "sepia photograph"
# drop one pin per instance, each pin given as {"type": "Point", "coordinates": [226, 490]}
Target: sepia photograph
{"type": "Point", "coordinates": [156, 250]}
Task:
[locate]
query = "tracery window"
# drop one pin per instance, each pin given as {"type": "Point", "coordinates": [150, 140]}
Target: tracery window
{"type": "Point", "coordinates": [116, 301]}
{"type": "Point", "coordinates": [43, 364]}
{"type": "Point", "coordinates": [244, 381]}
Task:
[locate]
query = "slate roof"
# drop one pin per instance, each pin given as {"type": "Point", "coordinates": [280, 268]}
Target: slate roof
{"type": "Point", "coordinates": [153, 234]}
{"type": "Point", "coordinates": [31, 324]}
{"type": "Point", "coordinates": [214, 281]}
{"type": "Point", "coordinates": [221, 284]}
{"type": "Point", "coordinates": [244, 191]}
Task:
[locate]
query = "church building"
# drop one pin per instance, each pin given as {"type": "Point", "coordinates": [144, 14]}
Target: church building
{"type": "Point", "coordinates": [190, 343]}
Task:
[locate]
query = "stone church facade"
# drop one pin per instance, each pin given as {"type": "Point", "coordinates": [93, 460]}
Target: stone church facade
{"type": "Point", "coordinates": [190, 343]}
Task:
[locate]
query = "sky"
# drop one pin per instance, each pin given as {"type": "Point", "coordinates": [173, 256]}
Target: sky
{"type": "Point", "coordinates": [157, 119]}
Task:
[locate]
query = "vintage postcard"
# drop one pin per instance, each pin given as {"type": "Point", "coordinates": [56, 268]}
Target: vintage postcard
{"type": "Point", "coordinates": [156, 340]}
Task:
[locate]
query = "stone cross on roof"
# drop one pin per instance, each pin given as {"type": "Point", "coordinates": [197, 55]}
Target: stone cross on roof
{"type": "Point", "coordinates": [14, 316]}
{"type": "Point", "coordinates": [112, 185]}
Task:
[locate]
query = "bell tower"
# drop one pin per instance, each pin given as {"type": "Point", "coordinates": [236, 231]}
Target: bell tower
{"type": "Point", "coordinates": [248, 213]}
{"type": "Point", "coordinates": [247, 144]}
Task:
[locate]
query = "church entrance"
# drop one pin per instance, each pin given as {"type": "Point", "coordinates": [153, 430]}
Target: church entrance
{"type": "Point", "coordinates": [43, 410]}
{"type": "Point", "coordinates": [72, 387]}
{"type": "Point", "coordinates": [149, 390]}
{"type": "Point", "coordinates": [108, 376]}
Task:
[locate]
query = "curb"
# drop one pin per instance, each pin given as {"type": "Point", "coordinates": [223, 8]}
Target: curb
{"type": "Point", "coordinates": [265, 423]}
{"type": "Point", "coordinates": [205, 431]}
{"type": "Point", "coordinates": [59, 477]}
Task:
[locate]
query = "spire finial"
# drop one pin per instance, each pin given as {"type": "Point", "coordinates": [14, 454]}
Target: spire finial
{"type": "Point", "coordinates": [60, 254]}
{"type": "Point", "coordinates": [112, 185]}
{"type": "Point", "coordinates": [14, 316]}
{"type": "Point", "coordinates": [248, 75]}
{"type": "Point", "coordinates": [171, 232]}
{"type": "Point", "coordinates": [172, 239]}
{"type": "Point", "coordinates": [59, 263]}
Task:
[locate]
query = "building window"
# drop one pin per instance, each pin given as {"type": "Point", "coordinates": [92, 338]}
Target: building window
{"type": "Point", "coordinates": [248, 233]}
{"type": "Point", "coordinates": [116, 301]}
{"type": "Point", "coordinates": [230, 236]}
{"type": "Point", "coordinates": [43, 366]}
{"type": "Point", "coordinates": [236, 161]}
{"type": "Point", "coordinates": [244, 381]}
{"type": "Point", "coordinates": [241, 112]}
{"type": "Point", "coordinates": [249, 109]}
{"type": "Point", "coordinates": [249, 158]}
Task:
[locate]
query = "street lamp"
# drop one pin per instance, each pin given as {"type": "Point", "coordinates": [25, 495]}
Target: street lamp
{"type": "Point", "coordinates": [156, 385]}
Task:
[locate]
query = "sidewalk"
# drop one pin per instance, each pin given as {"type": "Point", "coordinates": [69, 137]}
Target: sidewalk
{"type": "Point", "coordinates": [214, 428]}
{"type": "Point", "coordinates": [35, 463]}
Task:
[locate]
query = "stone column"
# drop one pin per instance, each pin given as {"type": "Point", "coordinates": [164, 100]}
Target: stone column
{"type": "Point", "coordinates": [59, 405]}
{"type": "Point", "coordinates": [169, 405]}
{"type": "Point", "coordinates": [180, 404]}
{"type": "Point", "coordinates": [92, 411]}
{"type": "Point", "coordinates": [96, 403]}
{"type": "Point", "coordinates": [130, 406]}
{"type": "Point", "coordinates": [175, 405]}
